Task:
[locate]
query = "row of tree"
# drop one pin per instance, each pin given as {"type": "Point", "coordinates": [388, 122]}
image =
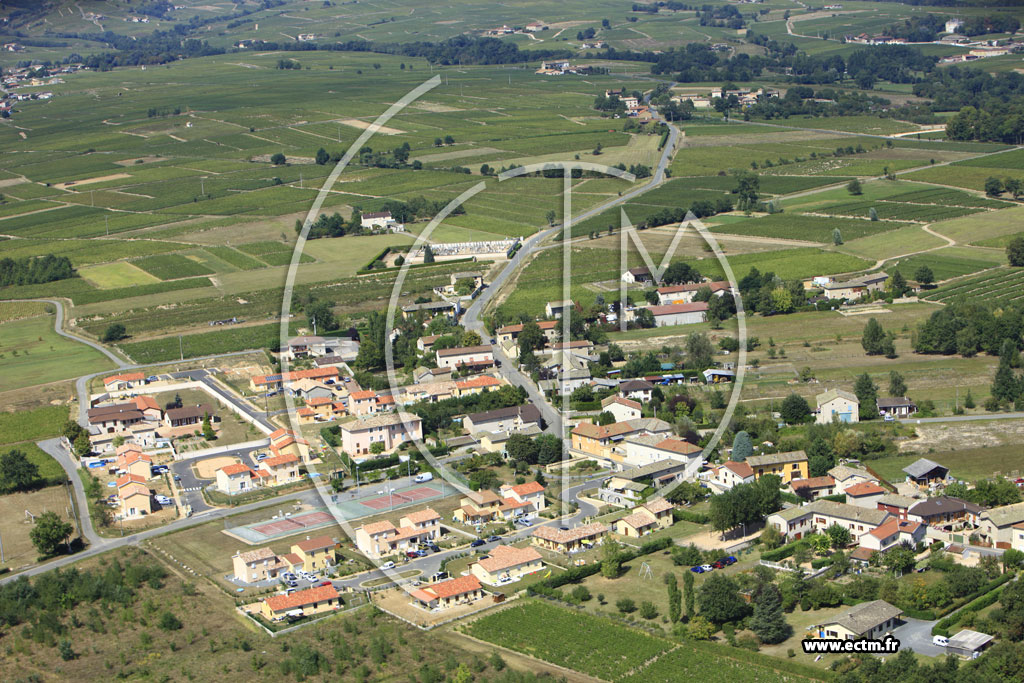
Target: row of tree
{"type": "Point", "coordinates": [35, 270]}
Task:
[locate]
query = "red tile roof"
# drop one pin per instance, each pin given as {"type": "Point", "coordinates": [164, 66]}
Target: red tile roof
{"type": "Point", "coordinates": [455, 587]}
{"type": "Point", "coordinates": [813, 482]}
{"type": "Point", "coordinates": [315, 543]}
{"type": "Point", "coordinates": [741, 469]}
{"type": "Point", "coordinates": [362, 395]}
{"type": "Point", "coordinates": [236, 468]}
{"type": "Point", "coordinates": [125, 377]}
{"type": "Point", "coordinates": [280, 603]}
{"type": "Point", "coordinates": [506, 557]}
{"type": "Point", "coordinates": [483, 381]}
{"type": "Point", "coordinates": [130, 479]}
{"type": "Point", "coordinates": [672, 309]}
{"type": "Point", "coordinates": [865, 488]}
{"type": "Point", "coordinates": [527, 488]}
{"type": "Point", "coordinates": [146, 403]}
{"type": "Point", "coordinates": [279, 460]}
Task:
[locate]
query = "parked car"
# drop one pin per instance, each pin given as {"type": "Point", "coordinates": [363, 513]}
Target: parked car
{"type": "Point", "coordinates": [177, 477]}
{"type": "Point", "coordinates": [422, 477]}
{"type": "Point", "coordinates": [288, 576]}
{"type": "Point", "coordinates": [941, 641]}
{"type": "Point", "coordinates": [433, 547]}
{"type": "Point", "coordinates": [725, 561]}
{"type": "Point", "coordinates": [388, 565]}
{"type": "Point", "coordinates": [477, 543]}
{"type": "Point", "coordinates": [421, 553]}
{"type": "Point", "coordinates": [718, 564]}
{"type": "Point", "coordinates": [325, 583]}
{"type": "Point", "coordinates": [697, 570]}
{"type": "Point", "coordinates": [493, 539]}
{"type": "Point", "coordinates": [707, 567]}
{"type": "Point", "coordinates": [524, 521]}
{"type": "Point", "coordinates": [412, 554]}
{"type": "Point", "coordinates": [152, 378]}
{"type": "Point", "coordinates": [163, 500]}
{"type": "Point", "coordinates": [293, 583]}
{"type": "Point", "coordinates": [889, 418]}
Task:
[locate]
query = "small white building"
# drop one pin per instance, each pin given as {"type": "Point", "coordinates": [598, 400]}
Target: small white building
{"type": "Point", "coordinates": [621, 408]}
{"type": "Point", "coordinates": [379, 220]}
{"type": "Point", "coordinates": [554, 309]}
{"type": "Point", "coordinates": [679, 314]}
{"type": "Point", "coordinates": [836, 404]}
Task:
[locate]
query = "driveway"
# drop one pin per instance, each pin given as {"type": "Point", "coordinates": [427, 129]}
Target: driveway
{"type": "Point", "coordinates": [916, 635]}
{"type": "Point", "coordinates": [192, 486]}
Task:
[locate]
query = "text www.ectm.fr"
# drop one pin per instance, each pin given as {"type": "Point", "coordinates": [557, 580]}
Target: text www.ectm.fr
{"type": "Point", "coordinates": [839, 646]}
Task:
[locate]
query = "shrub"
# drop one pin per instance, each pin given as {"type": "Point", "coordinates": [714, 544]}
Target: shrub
{"type": "Point", "coordinates": [625, 605]}
{"type": "Point", "coordinates": [169, 622]}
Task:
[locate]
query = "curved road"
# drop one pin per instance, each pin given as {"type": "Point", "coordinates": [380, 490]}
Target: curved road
{"type": "Point", "coordinates": [58, 327]}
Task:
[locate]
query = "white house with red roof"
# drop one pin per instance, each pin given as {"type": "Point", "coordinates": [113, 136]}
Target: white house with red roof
{"type": "Point", "coordinates": [236, 478]}
{"type": "Point", "coordinates": [382, 538]}
{"type": "Point", "coordinates": [893, 532]}
{"type": "Point", "coordinates": [123, 382]}
{"type": "Point", "coordinates": [622, 408]}
{"type": "Point", "coordinates": [530, 494]}
{"type": "Point", "coordinates": [445, 594]}
{"type": "Point", "coordinates": [505, 564]}
{"type": "Point", "coordinates": [729, 474]}
{"type": "Point", "coordinates": [283, 469]}
{"type": "Point", "coordinates": [684, 294]}
{"type": "Point", "coordinates": [865, 494]}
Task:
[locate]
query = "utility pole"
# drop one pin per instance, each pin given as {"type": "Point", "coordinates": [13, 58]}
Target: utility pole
{"type": "Point", "coordinates": [181, 350]}
{"type": "Point", "coordinates": [202, 186]}
{"type": "Point", "coordinates": [92, 197]}
{"type": "Point", "coordinates": [106, 221]}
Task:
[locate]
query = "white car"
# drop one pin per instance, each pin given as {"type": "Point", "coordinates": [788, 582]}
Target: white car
{"type": "Point", "coordinates": [707, 567]}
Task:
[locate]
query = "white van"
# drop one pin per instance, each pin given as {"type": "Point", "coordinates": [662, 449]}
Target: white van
{"type": "Point", "coordinates": [425, 476]}
{"type": "Point", "coordinates": [388, 565]}
{"type": "Point", "coordinates": [941, 641]}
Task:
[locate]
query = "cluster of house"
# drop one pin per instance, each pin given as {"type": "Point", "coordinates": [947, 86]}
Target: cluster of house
{"type": "Point", "coordinates": [842, 406]}
{"type": "Point", "coordinates": [327, 351]}
{"type": "Point", "coordinates": [511, 501]}
{"type": "Point", "coordinates": [850, 289]}
{"type": "Point", "coordinates": [380, 539]}
{"type": "Point", "coordinates": [140, 419]}
{"type": "Point", "coordinates": [877, 519]}
{"type": "Point", "coordinates": [635, 108]}
{"type": "Point", "coordinates": [314, 555]}
{"type": "Point", "coordinates": [676, 305]}
{"type": "Point", "coordinates": [23, 77]}
{"type": "Point", "coordinates": [134, 468]}
{"type": "Point", "coordinates": [278, 466]}
{"type": "Point", "coordinates": [746, 97]}
{"type": "Point", "coordinates": [562, 67]}
{"type": "Point", "coordinates": [505, 30]}
{"type": "Point", "coordinates": [380, 221]}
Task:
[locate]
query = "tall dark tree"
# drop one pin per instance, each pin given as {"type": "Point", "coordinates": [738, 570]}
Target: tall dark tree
{"type": "Point", "coordinates": [688, 595]}
{"type": "Point", "coordinates": [720, 600]}
{"type": "Point", "coordinates": [742, 446]}
{"type": "Point", "coordinates": [867, 394]}
{"type": "Point", "coordinates": [769, 623]}
{"type": "Point", "coordinates": [873, 339]}
{"type": "Point", "coordinates": [795, 409]}
{"type": "Point", "coordinates": [1015, 251]}
{"type": "Point", "coordinates": [322, 157]}
{"type": "Point", "coordinates": [49, 533]}
{"type": "Point", "coordinates": [897, 386]}
{"type": "Point", "coordinates": [17, 472]}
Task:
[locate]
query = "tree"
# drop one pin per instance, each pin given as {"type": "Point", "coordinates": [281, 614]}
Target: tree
{"type": "Point", "coordinates": [720, 600]}
{"type": "Point", "coordinates": [768, 622]}
{"type": "Point", "coordinates": [837, 237]}
{"type": "Point", "coordinates": [278, 159]}
{"type": "Point", "coordinates": [747, 186]}
{"type": "Point", "coordinates": [688, 597]}
{"type": "Point", "coordinates": [208, 432]}
{"type": "Point", "coordinates": [699, 351]}
{"type": "Point", "coordinates": [675, 598]}
{"type": "Point", "coordinates": [550, 217]}
{"type": "Point", "coordinates": [322, 157]}
{"type": "Point", "coordinates": [49, 532]}
{"type": "Point", "coordinates": [377, 447]}
{"type": "Point", "coordinates": [821, 456]}
{"type": "Point", "coordinates": [872, 214]}
{"type": "Point", "coordinates": [521, 448]}
{"type": "Point", "coordinates": [82, 444]}
{"type": "Point", "coordinates": [771, 537]}
{"type": "Point", "coordinates": [648, 610]}
{"type": "Point", "coordinates": [795, 410]}
{"type": "Point", "coordinates": [1015, 251]}
{"type": "Point", "coordinates": [897, 387]}
{"type": "Point", "coordinates": [924, 276]}
{"type": "Point", "coordinates": [898, 284]}
{"type": "Point", "coordinates": [114, 332]}
{"type": "Point", "coordinates": [899, 560]}
{"type": "Point", "coordinates": [449, 140]}
{"type": "Point", "coordinates": [838, 536]}
{"type": "Point", "coordinates": [867, 394]}
{"type": "Point", "coordinates": [700, 628]}
{"type": "Point", "coordinates": [321, 316]}
{"type": "Point", "coordinates": [873, 339]}
{"type": "Point", "coordinates": [611, 559]}
{"type": "Point", "coordinates": [1012, 559]}
{"type": "Point", "coordinates": [993, 186]}
{"type": "Point", "coordinates": [854, 187]}
{"type": "Point", "coordinates": [17, 472]}
{"type": "Point", "coordinates": [169, 622]}
{"type": "Point", "coordinates": [742, 446]}
{"type": "Point", "coordinates": [625, 605]}
{"type": "Point", "coordinates": [428, 254]}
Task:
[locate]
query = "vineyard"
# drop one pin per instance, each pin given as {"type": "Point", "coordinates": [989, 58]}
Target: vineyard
{"type": "Point", "coordinates": [998, 286]}
{"type": "Point", "coordinates": [576, 641]}
{"type": "Point", "coordinates": [172, 266]}
{"type": "Point", "coordinates": [922, 205]}
{"type": "Point", "coordinates": [614, 652]}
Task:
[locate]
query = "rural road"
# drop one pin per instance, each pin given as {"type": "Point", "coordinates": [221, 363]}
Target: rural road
{"type": "Point", "coordinates": [58, 327]}
{"type": "Point", "coordinates": [509, 366]}
{"type": "Point", "coordinates": [963, 418]}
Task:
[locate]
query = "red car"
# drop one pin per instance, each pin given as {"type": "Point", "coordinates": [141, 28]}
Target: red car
{"type": "Point", "coordinates": [411, 555]}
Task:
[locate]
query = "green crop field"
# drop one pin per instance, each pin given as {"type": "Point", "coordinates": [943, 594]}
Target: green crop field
{"type": "Point", "coordinates": [32, 353]}
{"type": "Point", "coordinates": [996, 286]}
{"type": "Point", "coordinates": [172, 266]}
{"type": "Point", "coordinates": [950, 262]}
{"type": "Point", "coordinates": [117, 274]}
{"type": "Point", "coordinates": [803, 227]}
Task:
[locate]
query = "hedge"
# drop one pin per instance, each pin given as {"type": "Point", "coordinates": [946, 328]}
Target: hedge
{"type": "Point", "coordinates": [690, 516]}
{"type": "Point", "coordinates": [923, 614]}
{"type": "Point", "coordinates": [577, 574]}
{"type": "Point", "coordinates": [785, 551]}
{"type": "Point", "coordinates": [988, 596]}
{"type": "Point", "coordinates": [395, 269]}
{"type": "Point", "coordinates": [821, 562]}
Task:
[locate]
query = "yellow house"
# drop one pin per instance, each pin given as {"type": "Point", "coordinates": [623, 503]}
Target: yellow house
{"type": "Point", "coordinates": [507, 563]}
{"type": "Point", "coordinates": [598, 440]}
{"type": "Point", "coordinates": [316, 554]}
{"type": "Point", "coordinates": [645, 519]}
{"type": "Point", "coordinates": [478, 507]}
{"type": "Point", "coordinates": [301, 603]}
{"type": "Point", "coordinates": [790, 465]}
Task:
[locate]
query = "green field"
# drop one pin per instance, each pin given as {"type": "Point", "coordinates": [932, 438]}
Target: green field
{"type": "Point", "coordinates": [172, 266]}
{"type": "Point", "coordinates": [116, 275]}
{"type": "Point", "coordinates": [951, 262]}
{"type": "Point", "coordinates": [969, 464]}
{"type": "Point", "coordinates": [32, 353]}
